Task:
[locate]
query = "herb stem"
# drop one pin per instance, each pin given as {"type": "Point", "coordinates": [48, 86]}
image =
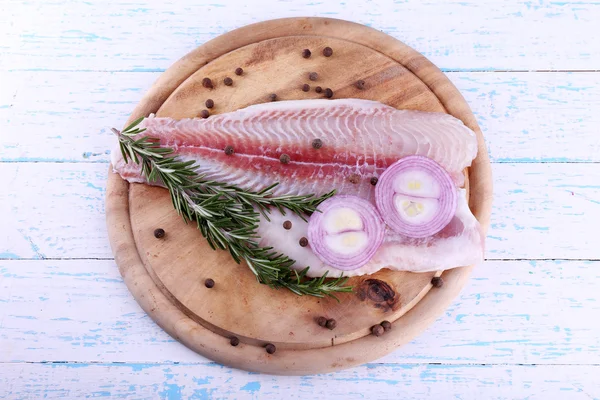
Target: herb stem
{"type": "Point", "coordinates": [226, 215]}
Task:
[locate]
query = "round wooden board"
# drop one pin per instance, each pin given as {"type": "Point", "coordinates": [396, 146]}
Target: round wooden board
{"type": "Point", "coordinates": [167, 276]}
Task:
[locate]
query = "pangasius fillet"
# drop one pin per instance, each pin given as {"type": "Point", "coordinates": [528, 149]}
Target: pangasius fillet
{"type": "Point", "coordinates": [357, 141]}
{"type": "Point", "coordinates": [360, 139]}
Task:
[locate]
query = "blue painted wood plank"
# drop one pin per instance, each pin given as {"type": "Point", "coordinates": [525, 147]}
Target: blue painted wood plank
{"type": "Point", "coordinates": [373, 381]}
{"type": "Point", "coordinates": [510, 312]}
{"type": "Point", "coordinates": [525, 117]}
{"type": "Point", "coordinates": [143, 36]}
{"type": "Point", "coordinates": [539, 211]}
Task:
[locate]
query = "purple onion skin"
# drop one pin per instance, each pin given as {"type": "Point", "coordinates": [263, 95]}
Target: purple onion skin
{"type": "Point", "coordinates": [384, 197]}
{"type": "Point", "coordinates": [373, 226]}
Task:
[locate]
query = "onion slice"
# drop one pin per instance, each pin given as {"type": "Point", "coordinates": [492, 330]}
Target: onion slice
{"type": "Point", "coordinates": [416, 197]}
{"type": "Point", "coordinates": [345, 232]}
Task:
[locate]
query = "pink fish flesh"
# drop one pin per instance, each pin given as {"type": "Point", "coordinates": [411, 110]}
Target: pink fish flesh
{"type": "Point", "coordinates": [360, 139]}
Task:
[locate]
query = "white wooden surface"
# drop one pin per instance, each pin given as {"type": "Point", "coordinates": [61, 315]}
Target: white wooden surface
{"type": "Point", "coordinates": [526, 326]}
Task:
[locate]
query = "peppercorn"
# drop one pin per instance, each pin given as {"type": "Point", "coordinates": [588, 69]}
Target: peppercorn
{"type": "Point", "coordinates": [303, 242]}
{"type": "Point", "coordinates": [328, 93]}
{"type": "Point", "coordinates": [374, 181]}
{"type": "Point", "coordinates": [306, 53]}
{"type": "Point", "coordinates": [305, 87]}
{"type": "Point", "coordinates": [209, 283]}
{"type": "Point", "coordinates": [354, 178]}
{"type": "Point", "coordinates": [207, 83]}
{"type": "Point", "coordinates": [284, 159]}
{"type": "Point", "coordinates": [437, 282]}
{"type": "Point", "coordinates": [377, 330]}
{"type": "Point", "coordinates": [360, 84]}
{"type": "Point", "coordinates": [331, 324]}
{"type": "Point", "coordinates": [204, 113]}
{"type": "Point", "coordinates": [322, 321]}
{"type": "Point", "coordinates": [387, 325]}
{"type": "Point", "coordinates": [209, 103]}
{"type": "Point", "coordinates": [313, 76]}
{"type": "Point", "coordinates": [317, 144]}
{"type": "Point", "coordinates": [318, 89]}
{"type": "Point", "coordinates": [327, 51]}
{"type": "Point", "coordinates": [228, 81]}
{"type": "Point", "coordinates": [239, 71]}
{"type": "Point", "coordinates": [270, 348]}
{"type": "Point", "coordinates": [273, 97]}
{"type": "Point", "coordinates": [287, 225]}
{"type": "Point", "coordinates": [159, 233]}
{"type": "Point", "coordinates": [229, 150]}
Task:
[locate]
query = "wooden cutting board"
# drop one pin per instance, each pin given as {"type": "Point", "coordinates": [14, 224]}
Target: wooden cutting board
{"type": "Point", "coordinates": [166, 276]}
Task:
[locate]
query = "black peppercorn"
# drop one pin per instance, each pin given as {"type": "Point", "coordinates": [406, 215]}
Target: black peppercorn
{"type": "Point", "coordinates": [354, 178]}
{"type": "Point", "coordinates": [239, 71]}
{"type": "Point", "coordinates": [204, 113]}
{"type": "Point", "coordinates": [234, 341]}
{"type": "Point", "coordinates": [305, 87]}
{"type": "Point", "coordinates": [270, 348]}
{"type": "Point", "coordinates": [437, 282]}
{"type": "Point", "coordinates": [306, 53]}
{"type": "Point", "coordinates": [287, 225]}
{"type": "Point", "coordinates": [273, 97]}
{"type": "Point", "coordinates": [360, 84]}
{"type": "Point", "coordinates": [228, 81]}
{"type": "Point", "coordinates": [159, 233]}
{"type": "Point", "coordinates": [327, 51]}
{"type": "Point", "coordinates": [313, 76]}
{"type": "Point", "coordinates": [374, 181]}
{"type": "Point", "coordinates": [331, 323]}
{"type": "Point", "coordinates": [317, 144]}
{"type": "Point", "coordinates": [322, 321]}
{"type": "Point", "coordinates": [284, 159]}
{"type": "Point", "coordinates": [303, 242]}
{"type": "Point", "coordinates": [229, 150]}
{"type": "Point", "coordinates": [387, 325]}
{"type": "Point", "coordinates": [377, 330]}
{"type": "Point", "coordinates": [209, 283]}
{"type": "Point", "coordinates": [207, 83]}
{"type": "Point", "coordinates": [328, 93]}
{"type": "Point", "coordinates": [318, 89]}
{"type": "Point", "coordinates": [209, 103]}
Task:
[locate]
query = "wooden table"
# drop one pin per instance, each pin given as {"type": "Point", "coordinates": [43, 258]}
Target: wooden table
{"type": "Point", "coordinates": [526, 326]}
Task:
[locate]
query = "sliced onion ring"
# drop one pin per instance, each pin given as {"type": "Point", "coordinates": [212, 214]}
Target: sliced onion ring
{"type": "Point", "coordinates": [416, 182]}
{"type": "Point", "coordinates": [329, 246]}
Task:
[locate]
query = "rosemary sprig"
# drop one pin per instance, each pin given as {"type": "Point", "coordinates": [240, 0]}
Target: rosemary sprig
{"type": "Point", "coordinates": [226, 214]}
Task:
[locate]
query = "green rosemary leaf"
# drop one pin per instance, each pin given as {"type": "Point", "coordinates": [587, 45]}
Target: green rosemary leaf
{"type": "Point", "coordinates": [227, 216]}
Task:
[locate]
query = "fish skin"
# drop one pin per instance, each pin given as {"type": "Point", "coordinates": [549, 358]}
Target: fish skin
{"type": "Point", "coordinates": [359, 137]}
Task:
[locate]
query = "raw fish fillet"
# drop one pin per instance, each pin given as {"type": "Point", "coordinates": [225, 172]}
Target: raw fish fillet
{"type": "Point", "coordinates": [360, 138]}
{"type": "Point", "coordinates": [460, 243]}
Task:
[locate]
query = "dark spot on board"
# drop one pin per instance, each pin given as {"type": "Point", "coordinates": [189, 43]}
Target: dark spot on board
{"type": "Point", "coordinates": [263, 52]}
{"type": "Point", "coordinates": [378, 292]}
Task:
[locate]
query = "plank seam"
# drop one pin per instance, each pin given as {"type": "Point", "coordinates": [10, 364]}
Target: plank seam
{"type": "Point", "coordinates": [107, 162]}
{"type": "Point", "coordinates": [210, 363]}
{"type": "Point", "coordinates": [444, 70]}
{"type": "Point", "coordinates": [112, 259]}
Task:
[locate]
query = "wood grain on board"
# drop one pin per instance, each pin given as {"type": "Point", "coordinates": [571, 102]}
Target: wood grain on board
{"type": "Point", "coordinates": [167, 279]}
